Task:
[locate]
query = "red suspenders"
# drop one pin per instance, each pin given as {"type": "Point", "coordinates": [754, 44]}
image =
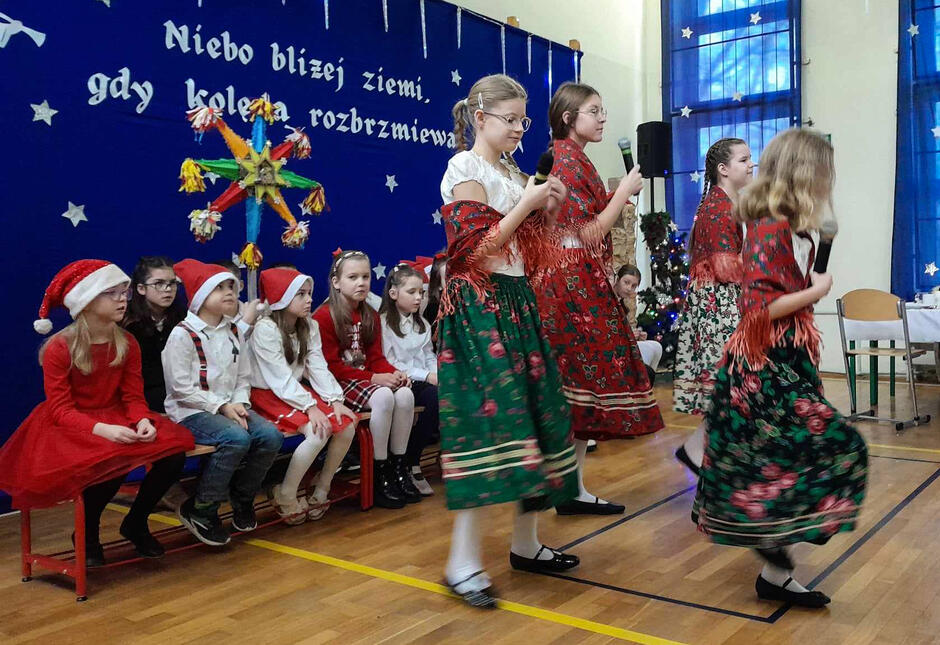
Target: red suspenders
{"type": "Point", "coordinates": [200, 352]}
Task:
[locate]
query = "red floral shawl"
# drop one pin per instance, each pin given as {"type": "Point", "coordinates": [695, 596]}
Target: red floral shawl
{"type": "Point", "coordinates": [770, 271]}
{"type": "Point", "coordinates": [716, 239]}
{"type": "Point", "coordinates": [586, 194]}
{"type": "Point", "coordinates": [471, 228]}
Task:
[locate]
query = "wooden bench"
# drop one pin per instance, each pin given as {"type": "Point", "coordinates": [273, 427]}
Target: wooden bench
{"type": "Point", "coordinates": [71, 563]}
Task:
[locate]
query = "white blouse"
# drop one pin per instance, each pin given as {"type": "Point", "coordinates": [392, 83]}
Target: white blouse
{"type": "Point", "coordinates": [413, 354]}
{"type": "Point", "coordinates": [502, 194]}
{"type": "Point", "coordinates": [270, 371]}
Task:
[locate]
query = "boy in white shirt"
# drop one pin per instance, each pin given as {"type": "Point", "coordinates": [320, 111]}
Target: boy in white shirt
{"type": "Point", "coordinates": [207, 381]}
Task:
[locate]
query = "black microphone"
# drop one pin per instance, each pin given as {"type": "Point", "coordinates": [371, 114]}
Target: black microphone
{"type": "Point", "coordinates": [627, 152]}
{"type": "Point", "coordinates": [544, 167]}
{"type": "Point", "coordinates": [827, 232]}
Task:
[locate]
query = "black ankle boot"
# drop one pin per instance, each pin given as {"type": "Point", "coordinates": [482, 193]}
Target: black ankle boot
{"type": "Point", "coordinates": [385, 492]}
{"type": "Point", "coordinates": [409, 493]}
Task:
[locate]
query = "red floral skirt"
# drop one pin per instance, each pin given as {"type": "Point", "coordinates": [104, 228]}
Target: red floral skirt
{"type": "Point", "coordinates": [605, 380]}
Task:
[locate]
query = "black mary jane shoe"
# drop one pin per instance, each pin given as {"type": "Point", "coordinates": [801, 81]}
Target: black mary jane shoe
{"type": "Point", "coordinates": [144, 543]}
{"type": "Point", "coordinates": [812, 599]}
{"type": "Point", "coordinates": [683, 456]}
{"type": "Point", "coordinates": [559, 562]}
{"type": "Point", "coordinates": [479, 598]}
{"type": "Point", "coordinates": [597, 507]}
{"type": "Point", "coordinates": [94, 554]}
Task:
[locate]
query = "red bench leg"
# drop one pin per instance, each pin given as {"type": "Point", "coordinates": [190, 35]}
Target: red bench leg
{"type": "Point", "coordinates": [81, 591]}
{"type": "Point", "coordinates": [366, 455]}
{"type": "Point", "coordinates": [26, 545]}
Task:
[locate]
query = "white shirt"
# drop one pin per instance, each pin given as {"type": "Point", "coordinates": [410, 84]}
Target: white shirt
{"type": "Point", "coordinates": [270, 371]}
{"type": "Point", "coordinates": [227, 369]}
{"type": "Point", "coordinates": [502, 194]}
{"type": "Point", "coordinates": [413, 354]}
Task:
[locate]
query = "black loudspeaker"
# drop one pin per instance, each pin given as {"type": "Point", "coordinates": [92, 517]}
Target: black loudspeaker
{"type": "Point", "coordinates": [654, 148]}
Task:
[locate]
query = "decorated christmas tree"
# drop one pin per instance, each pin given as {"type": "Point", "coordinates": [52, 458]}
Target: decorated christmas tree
{"type": "Point", "coordinates": [669, 276]}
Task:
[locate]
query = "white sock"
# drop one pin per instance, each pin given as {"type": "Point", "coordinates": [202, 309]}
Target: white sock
{"type": "Point", "coordinates": [778, 576]}
{"type": "Point", "coordinates": [464, 559]}
{"type": "Point", "coordinates": [580, 451]}
{"type": "Point", "coordinates": [300, 462]}
{"type": "Point", "coordinates": [382, 406]}
{"type": "Point", "coordinates": [402, 419]}
{"type": "Point", "coordinates": [525, 535]}
{"type": "Point", "coordinates": [695, 444]}
{"type": "Point", "coordinates": [335, 451]}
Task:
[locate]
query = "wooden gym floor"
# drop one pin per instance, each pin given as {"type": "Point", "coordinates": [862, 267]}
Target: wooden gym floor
{"type": "Point", "coordinates": [646, 577]}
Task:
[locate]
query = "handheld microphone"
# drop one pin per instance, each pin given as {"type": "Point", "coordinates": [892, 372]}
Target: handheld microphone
{"type": "Point", "coordinates": [827, 232]}
{"type": "Point", "coordinates": [544, 167]}
{"type": "Point", "coordinates": [627, 152]}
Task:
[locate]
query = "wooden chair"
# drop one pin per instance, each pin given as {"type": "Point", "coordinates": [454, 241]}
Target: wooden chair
{"type": "Point", "coordinates": [872, 305]}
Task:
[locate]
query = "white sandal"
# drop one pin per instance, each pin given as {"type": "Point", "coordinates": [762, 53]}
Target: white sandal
{"type": "Point", "coordinates": [318, 504]}
{"type": "Point", "coordinates": [292, 511]}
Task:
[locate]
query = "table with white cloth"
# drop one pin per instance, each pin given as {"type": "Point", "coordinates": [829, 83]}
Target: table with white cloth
{"type": "Point", "coordinates": [923, 327]}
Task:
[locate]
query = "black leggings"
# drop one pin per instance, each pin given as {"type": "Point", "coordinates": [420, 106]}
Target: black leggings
{"type": "Point", "coordinates": [163, 473]}
{"type": "Point", "coordinates": [426, 429]}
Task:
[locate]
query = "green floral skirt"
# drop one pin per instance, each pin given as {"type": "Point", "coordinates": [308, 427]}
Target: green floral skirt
{"type": "Point", "coordinates": [781, 464]}
{"type": "Point", "coordinates": [505, 425]}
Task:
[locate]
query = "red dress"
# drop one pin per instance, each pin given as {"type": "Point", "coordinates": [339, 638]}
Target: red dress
{"type": "Point", "coordinates": [53, 455]}
{"type": "Point", "coordinates": [605, 380]}
{"type": "Point", "coordinates": [354, 366]}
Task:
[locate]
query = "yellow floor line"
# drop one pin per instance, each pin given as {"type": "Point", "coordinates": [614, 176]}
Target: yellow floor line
{"type": "Point", "coordinates": [911, 448]}
{"type": "Point", "coordinates": [390, 576]}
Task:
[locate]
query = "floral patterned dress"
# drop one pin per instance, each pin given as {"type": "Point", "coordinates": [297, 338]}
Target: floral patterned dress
{"type": "Point", "coordinates": [710, 313]}
{"type": "Point", "coordinates": [781, 464]}
{"type": "Point", "coordinates": [505, 428]}
{"type": "Point", "coordinates": [605, 380]}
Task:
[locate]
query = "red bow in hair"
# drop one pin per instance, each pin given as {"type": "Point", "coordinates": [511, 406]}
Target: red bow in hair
{"type": "Point", "coordinates": [440, 256]}
{"type": "Point", "coordinates": [338, 251]}
{"type": "Point", "coordinates": [422, 263]}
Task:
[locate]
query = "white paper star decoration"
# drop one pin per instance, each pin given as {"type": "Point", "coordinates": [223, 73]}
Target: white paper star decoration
{"type": "Point", "coordinates": [436, 216]}
{"type": "Point", "coordinates": [755, 18]}
{"type": "Point", "coordinates": [455, 77]}
{"type": "Point", "coordinates": [379, 270]}
{"type": "Point", "coordinates": [687, 32]}
{"type": "Point", "coordinates": [42, 112]}
{"type": "Point", "coordinates": [936, 132]}
{"type": "Point", "coordinates": [390, 182]}
{"type": "Point", "coordinates": [913, 30]}
{"type": "Point", "coordinates": [211, 176]}
{"type": "Point", "coordinates": [695, 176]}
{"type": "Point", "coordinates": [737, 96]}
{"type": "Point", "coordinates": [75, 214]}
{"type": "Point", "coordinates": [686, 111]}
{"type": "Point", "coordinates": [931, 269]}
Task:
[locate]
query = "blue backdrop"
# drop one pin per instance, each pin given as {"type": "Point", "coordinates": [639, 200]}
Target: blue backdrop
{"type": "Point", "coordinates": [121, 78]}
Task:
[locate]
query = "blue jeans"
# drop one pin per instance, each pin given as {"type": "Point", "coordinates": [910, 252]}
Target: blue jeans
{"type": "Point", "coordinates": [257, 447]}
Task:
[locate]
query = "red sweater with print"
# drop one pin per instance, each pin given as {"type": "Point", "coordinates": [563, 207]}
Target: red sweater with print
{"type": "Point", "coordinates": [357, 361]}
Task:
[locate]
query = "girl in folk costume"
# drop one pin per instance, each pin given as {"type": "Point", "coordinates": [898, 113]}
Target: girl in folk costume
{"type": "Point", "coordinates": [285, 350]}
{"type": "Point", "coordinates": [406, 341]}
{"type": "Point", "coordinates": [352, 345]}
{"type": "Point", "coordinates": [152, 312]}
{"type": "Point", "coordinates": [94, 426]}
{"type": "Point", "coordinates": [605, 380]}
{"type": "Point", "coordinates": [781, 464]}
{"type": "Point", "coordinates": [504, 422]}
{"type": "Point", "coordinates": [710, 313]}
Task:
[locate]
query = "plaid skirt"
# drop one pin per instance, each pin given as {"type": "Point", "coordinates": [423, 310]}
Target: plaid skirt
{"type": "Point", "coordinates": [358, 392]}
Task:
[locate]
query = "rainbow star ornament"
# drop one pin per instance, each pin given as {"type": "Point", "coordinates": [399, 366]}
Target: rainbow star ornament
{"type": "Point", "coordinates": [257, 173]}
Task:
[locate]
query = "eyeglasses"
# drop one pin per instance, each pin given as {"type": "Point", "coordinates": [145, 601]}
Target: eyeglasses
{"type": "Point", "coordinates": [596, 112]}
{"type": "Point", "coordinates": [163, 285]}
{"type": "Point", "coordinates": [116, 295]}
{"type": "Point", "coordinates": [512, 120]}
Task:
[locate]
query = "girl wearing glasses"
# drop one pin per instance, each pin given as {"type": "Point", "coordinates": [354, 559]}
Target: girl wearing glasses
{"type": "Point", "coordinates": [152, 313]}
{"type": "Point", "coordinates": [504, 422]}
{"type": "Point", "coordinates": [94, 426]}
{"type": "Point", "coordinates": [605, 380]}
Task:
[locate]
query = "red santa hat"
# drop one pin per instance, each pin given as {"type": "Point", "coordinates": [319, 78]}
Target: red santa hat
{"type": "Point", "coordinates": [199, 279]}
{"type": "Point", "coordinates": [279, 286]}
{"type": "Point", "coordinates": [75, 286]}
{"type": "Point", "coordinates": [422, 265]}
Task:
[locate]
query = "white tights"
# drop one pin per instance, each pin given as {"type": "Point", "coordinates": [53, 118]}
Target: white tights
{"type": "Point", "coordinates": [305, 454]}
{"type": "Point", "coordinates": [392, 417]}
